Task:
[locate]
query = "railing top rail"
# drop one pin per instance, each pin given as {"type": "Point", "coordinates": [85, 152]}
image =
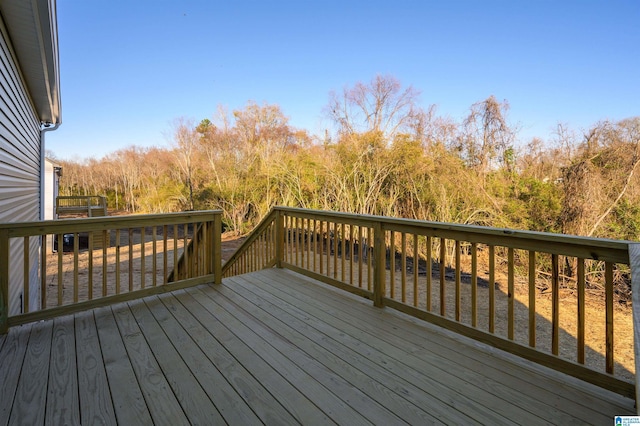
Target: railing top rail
{"type": "Point", "coordinates": [585, 247]}
{"type": "Point", "coordinates": [78, 197]}
{"type": "Point", "coordinates": [22, 229]}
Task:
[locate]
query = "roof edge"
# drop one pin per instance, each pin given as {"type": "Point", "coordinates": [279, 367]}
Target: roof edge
{"type": "Point", "coordinates": [33, 28]}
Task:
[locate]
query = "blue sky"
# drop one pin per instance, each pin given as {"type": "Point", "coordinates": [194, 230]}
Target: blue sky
{"type": "Point", "coordinates": [130, 68]}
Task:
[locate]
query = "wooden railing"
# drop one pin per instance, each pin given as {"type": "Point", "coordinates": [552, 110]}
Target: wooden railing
{"type": "Point", "coordinates": [102, 260]}
{"type": "Point", "coordinates": [90, 205]}
{"type": "Point", "coordinates": [546, 297]}
{"type": "Point", "coordinates": [258, 251]}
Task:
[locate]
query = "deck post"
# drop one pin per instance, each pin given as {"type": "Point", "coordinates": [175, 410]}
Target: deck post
{"type": "Point", "coordinates": [217, 248]}
{"type": "Point", "coordinates": [634, 262]}
{"type": "Point", "coordinates": [4, 281]}
{"type": "Point", "coordinates": [279, 238]}
{"type": "Point", "coordinates": [380, 265]}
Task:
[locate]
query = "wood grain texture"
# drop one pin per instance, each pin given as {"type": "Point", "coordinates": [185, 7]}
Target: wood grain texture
{"type": "Point", "coordinates": [197, 406]}
{"type": "Point", "coordinates": [62, 392]}
{"type": "Point", "coordinates": [420, 338]}
{"type": "Point", "coordinates": [359, 409]}
{"type": "Point", "coordinates": [381, 386]}
{"type": "Point", "coordinates": [96, 405]}
{"type": "Point", "coordinates": [31, 395]}
{"type": "Point", "coordinates": [226, 382]}
{"type": "Point", "coordinates": [276, 347]}
{"type": "Point", "coordinates": [12, 353]}
{"type": "Point", "coordinates": [159, 397]}
{"type": "Point", "coordinates": [128, 401]}
{"type": "Point", "coordinates": [276, 380]}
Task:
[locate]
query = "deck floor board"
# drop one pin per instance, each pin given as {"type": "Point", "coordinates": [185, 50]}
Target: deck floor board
{"type": "Point", "coordinates": [491, 376]}
{"type": "Point", "coordinates": [63, 405]}
{"type": "Point", "coordinates": [29, 405]}
{"type": "Point", "coordinates": [433, 378]}
{"type": "Point", "coordinates": [11, 359]}
{"type": "Point", "coordinates": [381, 386]}
{"type": "Point", "coordinates": [203, 363]}
{"type": "Point", "coordinates": [95, 398]}
{"type": "Point", "coordinates": [354, 403]}
{"type": "Point", "coordinates": [274, 347]}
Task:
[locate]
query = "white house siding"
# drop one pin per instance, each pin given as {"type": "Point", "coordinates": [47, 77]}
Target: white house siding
{"type": "Point", "coordinates": [51, 185]}
{"type": "Point", "coordinates": [19, 169]}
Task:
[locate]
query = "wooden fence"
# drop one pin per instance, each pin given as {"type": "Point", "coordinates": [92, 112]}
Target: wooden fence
{"type": "Point", "coordinates": [137, 255]}
{"type": "Point", "coordinates": [553, 299]}
{"type": "Point", "coordinates": [89, 205]}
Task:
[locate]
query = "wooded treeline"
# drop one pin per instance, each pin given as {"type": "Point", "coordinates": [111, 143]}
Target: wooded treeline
{"type": "Point", "coordinates": [385, 156]}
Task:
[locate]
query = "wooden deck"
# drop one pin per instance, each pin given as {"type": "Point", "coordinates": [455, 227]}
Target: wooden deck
{"type": "Point", "coordinates": [274, 347]}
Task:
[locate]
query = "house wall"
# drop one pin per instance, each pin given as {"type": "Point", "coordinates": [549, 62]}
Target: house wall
{"type": "Point", "coordinates": [19, 169]}
{"type": "Point", "coordinates": [51, 191]}
{"type": "Point", "coordinates": [51, 185]}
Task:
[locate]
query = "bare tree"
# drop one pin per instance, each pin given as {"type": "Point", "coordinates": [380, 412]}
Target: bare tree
{"type": "Point", "coordinates": [382, 106]}
{"type": "Point", "coordinates": [486, 135]}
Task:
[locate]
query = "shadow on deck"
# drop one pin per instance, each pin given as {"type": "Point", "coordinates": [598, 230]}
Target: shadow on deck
{"type": "Point", "coordinates": [275, 347]}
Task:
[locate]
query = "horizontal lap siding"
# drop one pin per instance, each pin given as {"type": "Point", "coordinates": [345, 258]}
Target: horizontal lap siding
{"type": "Point", "coordinates": [19, 169]}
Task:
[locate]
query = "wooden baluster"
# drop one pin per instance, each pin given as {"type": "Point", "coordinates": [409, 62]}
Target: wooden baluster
{"type": "Point", "coordinates": [581, 310]}
{"type": "Point", "coordinates": [532, 298]}
{"type": "Point", "coordinates": [118, 262]}
{"type": "Point", "coordinates": [392, 264]}
{"type": "Point", "coordinates": [335, 250]}
{"type": "Point", "coordinates": [185, 251]}
{"type": "Point", "coordinates": [360, 254]}
{"type": "Point", "coordinates": [308, 236]}
{"type": "Point", "coordinates": [43, 273]}
{"type": "Point", "coordinates": [90, 265]}
{"type": "Point", "coordinates": [380, 265]}
{"type": "Point", "coordinates": [403, 266]}
{"type": "Point", "coordinates": [76, 249]}
{"type": "Point", "coordinates": [176, 269]}
{"type": "Point", "coordinates": [492, 288]}
{"type": "Point", "coordinates": [429, 255]}
{"type": "Point", "coordinates": [105, 262]}
{"type": "Point", "coordinates": [510, 294]}
{"type": "Point", "coordinates": [608, 275]}
{"type": "Point", "coordinates": [315, 246]}
{"type": "Point", "coordinates": [130, 241]}
{"type": "Point", "coordinates": [142, 257]}
{"type": "Point", "coordinates": [25, 281]}
{"type": "Point", "coordinates": [330, 246]}
{"type": "Point", "coordinates": [165, 254]}
{"type": "Point", "coordinates": [457, 274]}
{"type": "Point", "coordinates": [443, 281]}
{"type": "Point", "coordinates": [352, 245]}
{"type": "Point", "coordinates": [322, 245]}
{"type": "Point", "coordinates": [154, 262]}
{"type": "Point", "coordinates": [555, 304]}
{"type": "Point", "coordinates": [343, 246]}
{"type": "Point", "coordinates": [60, 269]}
{"type": "Point", "coordinates": [416, 265]}
{"type": "Point", "coordinates": [474, 284]}
{"type": "Point", "coordinates": [296, 239]}
{"type": "Point", "coordinates": [370, 245]}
